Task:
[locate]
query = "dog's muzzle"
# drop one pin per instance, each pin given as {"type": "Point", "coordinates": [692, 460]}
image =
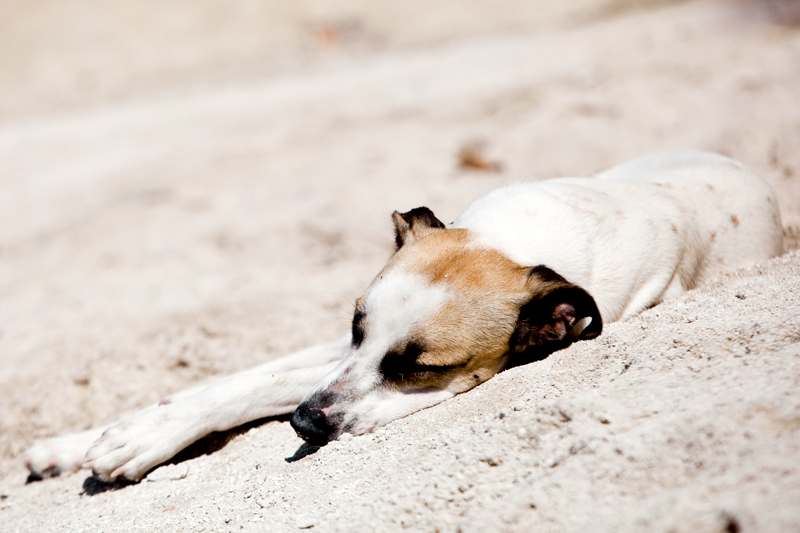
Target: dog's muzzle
{"type": "Point", "coordinates": [312, 425]}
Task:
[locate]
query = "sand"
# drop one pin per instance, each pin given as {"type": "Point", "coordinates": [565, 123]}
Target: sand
{"type": "Point", "coordinates": [220, 194]}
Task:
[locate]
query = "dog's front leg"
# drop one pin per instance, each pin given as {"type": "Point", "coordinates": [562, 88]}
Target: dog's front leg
{"type": "Point", "coordinates": [137, 444]}
{"type": "Point", "coordinates": [66, 453]}
{"type": "Point", "coordinates": [315, 356]}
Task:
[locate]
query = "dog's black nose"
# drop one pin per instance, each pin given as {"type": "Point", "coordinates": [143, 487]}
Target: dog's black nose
{"type": "Point", "coordinates": [312, 425]}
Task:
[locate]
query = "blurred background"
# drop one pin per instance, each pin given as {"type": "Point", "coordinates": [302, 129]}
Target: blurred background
{"type": "Point", "coordinates": [59, 54]}
{"type": "Point", "coordinates": [188, 188]}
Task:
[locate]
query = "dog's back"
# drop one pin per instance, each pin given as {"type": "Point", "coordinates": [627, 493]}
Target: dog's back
{"type": "Point", "coordinates": [638, 233]}
{"type": "Point", "coordinates": [735, 209]}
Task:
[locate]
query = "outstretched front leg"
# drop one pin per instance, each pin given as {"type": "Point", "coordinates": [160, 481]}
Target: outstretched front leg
{"type": "Point", "coordinates": [138, 443]}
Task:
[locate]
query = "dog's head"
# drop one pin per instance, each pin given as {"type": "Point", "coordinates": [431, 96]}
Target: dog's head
{"type": "Point", "coordinates": [443, 316]}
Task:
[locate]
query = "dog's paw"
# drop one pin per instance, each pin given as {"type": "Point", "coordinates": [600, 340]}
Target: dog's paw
{"type": "Point", "coordinates": [133, 447]}
{"type": "Point", "coordinates": [59, 455]}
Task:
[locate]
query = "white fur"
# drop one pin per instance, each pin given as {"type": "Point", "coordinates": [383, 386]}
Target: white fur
{"type": "Point", "coordinates": [395, 303]}
{"type": "Point", "coordinates": [637, 230]}
{"type": "Point", "coordinates": [631, 236]}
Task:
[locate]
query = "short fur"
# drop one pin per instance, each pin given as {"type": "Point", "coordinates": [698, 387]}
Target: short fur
{"type": "Point", "coordinates": [525, 270]}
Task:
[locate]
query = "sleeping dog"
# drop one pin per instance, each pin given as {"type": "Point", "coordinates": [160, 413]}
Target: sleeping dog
{"type": "Point", "coordinates": [525, 270]}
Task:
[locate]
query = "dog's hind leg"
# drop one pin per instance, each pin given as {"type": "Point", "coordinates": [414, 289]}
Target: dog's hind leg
{"type": "Point", "coordinates": [147, 438]}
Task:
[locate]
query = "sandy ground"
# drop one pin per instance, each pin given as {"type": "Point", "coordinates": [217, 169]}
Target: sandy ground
{"type": "Point", "coordinates": [186, 195]}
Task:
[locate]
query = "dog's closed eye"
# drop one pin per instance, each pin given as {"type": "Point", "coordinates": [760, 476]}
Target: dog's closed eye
{"type": "Point", "coordinates": [401, 364]}
{"type": "Point", "coordinates": [358, 327]}
{"type": "Point", "coordinates": [402, 361]}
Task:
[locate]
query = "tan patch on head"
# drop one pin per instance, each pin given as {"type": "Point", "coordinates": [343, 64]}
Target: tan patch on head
{"type": "Point", "coordinates": [450, 256]}
{"type": "Point", "coordinates": [468, 336]}
{"type": "Point", "coordinates": [735, 221]}
{"type": "Point", "coordinates": [470, 333]}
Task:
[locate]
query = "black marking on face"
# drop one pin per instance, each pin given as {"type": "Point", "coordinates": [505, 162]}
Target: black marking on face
{"type": "Point", "coordinates": [401, 361]}
{"type": "Point", "coordinates": [400, 364]}
{"type": "Point", "coordinates": [350, 426]}
{"type": "Point", "coordinates": [358, 327]}
{"type": "Point", "coordinates": [324, 399]}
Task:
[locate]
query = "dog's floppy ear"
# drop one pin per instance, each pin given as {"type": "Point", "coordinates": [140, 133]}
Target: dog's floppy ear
{"type": "Point", "coordinates": [413, 225]}
{"type": "Point", "coordinates": [554, 316]}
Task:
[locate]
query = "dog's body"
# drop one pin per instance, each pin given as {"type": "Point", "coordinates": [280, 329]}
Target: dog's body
{"type": "Point", "coordinates": [525, 270]}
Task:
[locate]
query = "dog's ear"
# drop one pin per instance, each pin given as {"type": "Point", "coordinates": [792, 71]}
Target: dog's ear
{"type": "Point", "coordinates": [413, 225]}
{"type": "Point", "coordinates": [556, 314]}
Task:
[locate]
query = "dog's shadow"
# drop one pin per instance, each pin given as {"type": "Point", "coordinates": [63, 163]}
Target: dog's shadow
{"type": "Point", "coordinates": [304, 450]}
{"type": "Point", "coordinates": [535, 353]}
{"type": "Point", "coordinates": [207, 445]}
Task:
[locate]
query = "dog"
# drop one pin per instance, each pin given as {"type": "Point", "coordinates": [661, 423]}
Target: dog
{"type": "Point", "coordinates": [527, 269]}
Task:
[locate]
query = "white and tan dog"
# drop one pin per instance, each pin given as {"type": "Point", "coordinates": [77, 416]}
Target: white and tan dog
{"type": "Point", "coordinates": [525, 270]}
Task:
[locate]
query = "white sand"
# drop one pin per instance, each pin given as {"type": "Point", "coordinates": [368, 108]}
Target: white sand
{"type": "Point", "coordinates": [195, 215]}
